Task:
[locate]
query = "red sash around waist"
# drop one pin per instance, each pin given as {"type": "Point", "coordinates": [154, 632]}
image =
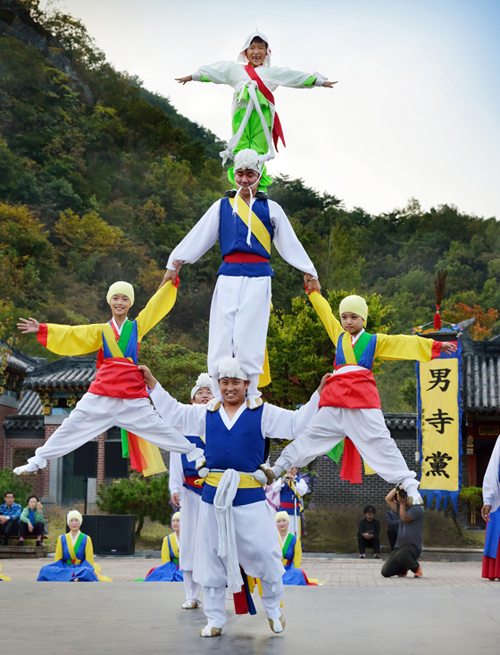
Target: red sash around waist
{"type": "Point", "coordinates": [289, 505]}
{"type": "Point", "coordinates": [245, 258]}
{"type": "Point", "coordinates": [191, 481]}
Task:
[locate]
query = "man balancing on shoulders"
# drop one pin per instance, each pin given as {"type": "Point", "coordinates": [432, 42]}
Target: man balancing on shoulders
{"type": "Point", "coordinates": [236, 525]}
{"type": "Point", "coordinates": [246, 223]}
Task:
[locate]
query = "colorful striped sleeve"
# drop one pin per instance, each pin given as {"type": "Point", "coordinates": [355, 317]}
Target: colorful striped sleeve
{"type": "Point", "coordinates": [324, 311]}
{"type": "Point", "coordinates": [157, 308]}
{"type": "Point", "coordinates": [401, 347]}
{"type": "Point", "coordinates": [70, 340]}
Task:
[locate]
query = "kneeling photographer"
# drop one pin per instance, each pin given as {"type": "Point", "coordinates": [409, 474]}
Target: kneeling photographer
{"type": "Point", "coordinates": [408, 546]}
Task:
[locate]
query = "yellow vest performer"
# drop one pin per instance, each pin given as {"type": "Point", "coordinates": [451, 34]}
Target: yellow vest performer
{"type": "Point", "coordinates": [350, 404]}
{"type": "Point", "coordinates": [118, 395]}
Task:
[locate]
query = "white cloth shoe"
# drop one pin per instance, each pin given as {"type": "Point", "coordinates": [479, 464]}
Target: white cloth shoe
{"type": "Point", "coordinates": [207, 631]}
{"type": "Point", "coordinates": [277, 625]}
{"type": "Point", "coordinates": [190, 605]}
{"type": "Point", "coordinates": [27, 468]}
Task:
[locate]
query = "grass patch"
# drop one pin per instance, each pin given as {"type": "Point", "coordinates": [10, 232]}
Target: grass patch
{"type": "Point", "coordinates": [336, 531]}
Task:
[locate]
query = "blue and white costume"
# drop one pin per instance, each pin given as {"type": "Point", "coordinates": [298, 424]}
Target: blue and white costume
{"type": "Point", "coordinates": [235, 445]}
{"type": "Point", "coordinates": [241, 301]}
{"type": "Point", "coordinates": [291, 501]}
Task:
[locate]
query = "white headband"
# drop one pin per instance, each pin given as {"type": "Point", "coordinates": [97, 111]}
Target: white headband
{"type": "Point", "coordinates": [204, 381]}
{"type": "Point", "coordinates": [229, 367]}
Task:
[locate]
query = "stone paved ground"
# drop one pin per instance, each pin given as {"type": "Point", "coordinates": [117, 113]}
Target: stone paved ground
{"type": "Point", "coordinates": [334, 572]}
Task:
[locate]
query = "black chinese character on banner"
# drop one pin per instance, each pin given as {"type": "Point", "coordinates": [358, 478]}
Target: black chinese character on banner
{"type": "Point", "coordinates": [441, 419]}
{"type": "Point", "coordinates": [439, 377]}
{"type": "Point", "coordinates": [439, 461]}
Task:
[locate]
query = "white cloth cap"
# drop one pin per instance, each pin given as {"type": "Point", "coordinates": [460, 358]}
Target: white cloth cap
{"type": "Point", "coordinates": [204, 381]}
{"type": "Point", "coordinates": [74, 514]}
{"type": "Point", "coordinates": [242, 58]}
{"type": "Point", "coordinates": [248, 160]}
{"type": "Point", "coordinates": [229, 367]}
{"type": "Point", "coordinates": [121, 287]}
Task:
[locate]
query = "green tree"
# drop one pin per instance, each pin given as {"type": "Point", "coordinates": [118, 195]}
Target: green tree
{"type": "Point", "coordinates": [138, 496]}
{"type": "Point", "coordinates": [20, 486]}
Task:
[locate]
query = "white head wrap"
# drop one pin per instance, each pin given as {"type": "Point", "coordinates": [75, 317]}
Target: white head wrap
{"type": "Point", "coordinates": [74, 514]}
{"type": "Point", "coordinates": [242, 58]}
{"type": "Point", "coordinates": [355, 305]}
{"type": "Point", "coordinates": [121, 287]}
{"type": "Point", "coordinates": [248, 159]}
{"type": "Point", "coordinates": [204, 381]}
{"type": "Point", "coordinates": [281, 515]}
{"type": "Point", "coordinates": [229, 367]}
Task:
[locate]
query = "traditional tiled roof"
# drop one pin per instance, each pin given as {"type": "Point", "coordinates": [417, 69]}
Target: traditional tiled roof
{"type": "Point", "coordinates": [29, 415]}
{"type": "Point", "coordinates": [21, 362]}
{"type": "Point", "coordinates": [67, 373]}
{"type": "Point", "coordinates": [401, 421]}
{"type": "Point", "coordinates": [481, 375]}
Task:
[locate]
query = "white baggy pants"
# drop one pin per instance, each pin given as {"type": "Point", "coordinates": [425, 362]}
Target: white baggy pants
{"type": "Point", "coordinates": [239, 318]}
{"type": "Point", "coordinates": [95, 414]}
{"type": "Point", "coordinates": [190, 510]}
{"type": "Point", "coordinates": [367, 430]}
{"type": "Point", "coordinates": [259, 554]}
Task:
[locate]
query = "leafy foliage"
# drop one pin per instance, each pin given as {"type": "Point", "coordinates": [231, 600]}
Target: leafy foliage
{"type": "Point", "coordinates": [10, 482]}
{"type": "Point", "coordinates": [100, 179]}
{"type": "Point", "coordinates": [137, 496]}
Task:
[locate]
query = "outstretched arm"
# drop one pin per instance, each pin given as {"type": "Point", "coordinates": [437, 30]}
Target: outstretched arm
{"type": "Point", "coordinates": [401, 347]}
{"type": "Point", "coordinates": [323, 309]}
{"type": "Point", "coordinates": [64, 339]}
{"type": "Point", "coordinates": [158, 307]}
{"type": "Point", "coordinates": [287, 243]}
{"type": "Point", "coordinates": [188, 419]}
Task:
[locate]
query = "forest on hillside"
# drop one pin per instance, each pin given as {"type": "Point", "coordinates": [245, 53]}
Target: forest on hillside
{"type": "Point", "coordinates": [100, 179]}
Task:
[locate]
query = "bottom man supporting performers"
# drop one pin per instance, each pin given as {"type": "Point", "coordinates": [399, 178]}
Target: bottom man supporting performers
{"type": "Point", "coordinates": [235, 441]}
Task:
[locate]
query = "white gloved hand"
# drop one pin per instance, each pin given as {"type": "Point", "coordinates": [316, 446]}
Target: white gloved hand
{"type": "Point", "coordinates": [203, 472]}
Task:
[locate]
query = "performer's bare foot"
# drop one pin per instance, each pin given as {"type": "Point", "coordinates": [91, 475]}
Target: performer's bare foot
{"type": "Point", "coordinates": [277, 625]}
{"type": "Point", "coordinates": [211, 632]}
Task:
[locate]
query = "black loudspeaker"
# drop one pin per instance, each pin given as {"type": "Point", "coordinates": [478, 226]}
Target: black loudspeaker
{"type": "Point", "coordinates": [111, 534]}
{"type": "Point", "coordinates": [85, 460]}
{"type": "Point", "coordinates": [115, 466]}
{"type": "Point", "coordinates": [116, 535]}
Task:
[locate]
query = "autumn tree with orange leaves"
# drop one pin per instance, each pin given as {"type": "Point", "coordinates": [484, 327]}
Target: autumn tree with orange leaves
{"type": "Point", "coordinates": [481, 328]}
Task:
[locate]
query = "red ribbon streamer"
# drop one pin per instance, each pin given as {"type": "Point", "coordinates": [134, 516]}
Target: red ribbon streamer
{"type": "Point", "coordinates": [277, 129]}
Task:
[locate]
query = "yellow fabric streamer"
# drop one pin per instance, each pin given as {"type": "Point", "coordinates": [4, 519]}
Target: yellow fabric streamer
{"type": "Point", "coordinates": [368, 469]}
{"type": "Point", "coordinates": [153, 457]}
{"type": "Point", "coordinates": [258, 228]}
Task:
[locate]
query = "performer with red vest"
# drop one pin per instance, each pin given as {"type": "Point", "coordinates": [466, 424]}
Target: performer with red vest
{"type": "Point", "coordinates": [350, 403]}
{"type": "Point", "coordinates": [185, 487]}
{"type": "Point", "coordinates": [246, 223]}
{"type": "Point", "coordinates": [118, 395]}
{"type": "Point", "coordinates": [255, 121]}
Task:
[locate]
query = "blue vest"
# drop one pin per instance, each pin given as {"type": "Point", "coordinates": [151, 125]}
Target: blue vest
{"type": "Point", "coordinates": [233, 238]}
{"type": "Point", "coordinates": [189, 467]}
{"type": "Point", "coordinates": [287, 496]}
{"type": "Point", "coordinates": [80, 553]}
{"type": "Point", "coordinates": [240, 448]}
{"type": "Point", "coordinates": [366, 359]}
{"type": "Point", "coordinates": [131, 349]}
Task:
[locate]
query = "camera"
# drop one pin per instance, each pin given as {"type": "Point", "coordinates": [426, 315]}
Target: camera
{"type": "Point", "coordinates": [401, 492]}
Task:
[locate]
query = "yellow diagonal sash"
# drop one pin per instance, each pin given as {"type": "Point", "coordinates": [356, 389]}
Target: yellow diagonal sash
{"type": "Point", "coordinates": [71, 547]}
{"type": "Point", "coordinates": [258, 228]}
{"type": "Point", "coordinates": [348, 349]}
{"type": "Point", "coordinates": [111, 342]}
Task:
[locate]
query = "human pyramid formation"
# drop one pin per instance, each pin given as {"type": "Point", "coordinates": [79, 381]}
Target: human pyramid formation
{"type": "Point", "coordinates": [228, 530]}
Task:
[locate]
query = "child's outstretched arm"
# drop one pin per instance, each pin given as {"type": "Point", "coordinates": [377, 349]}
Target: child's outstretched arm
{"type": "Point", "coordinates": [64, 339]}
{"type": "Point", "coordinates": [296, 79]}
{"type": "Point", "coordinates": [222, 72]}
{"type": "Point", "coordinates": [323, 309]}
{"type": "Point", "coordinates": [404, 347]}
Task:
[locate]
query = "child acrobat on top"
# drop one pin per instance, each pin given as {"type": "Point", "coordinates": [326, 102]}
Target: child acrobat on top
{"type": "Point", "coordinates": [350, 402]}
{"type": "Point", "coordinates": [118, 396]}
{"type": "Point", "coordinates": [255, 123]}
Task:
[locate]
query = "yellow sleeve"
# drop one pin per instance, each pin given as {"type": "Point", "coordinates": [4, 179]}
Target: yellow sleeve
{"type": "Point", "coordinates": [156, 309]}
{"type": "Point", "coordinates": [406, 347]}
{"type": "Point", "coordinates": [70, 340]}
{"type": "Point", "coordinates": [297, 554]}
{"type": "Point", "coordinates": [324, 311]}
{"type": "Point", "coordinates": [89, 554]}
{"type": "Point", "coordinates": [59, 550]}
{"type": "Point", "coordinates": [165, 551]}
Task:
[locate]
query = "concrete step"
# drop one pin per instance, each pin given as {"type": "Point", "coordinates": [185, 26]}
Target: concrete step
{"type": "Point", "coordinates": [22, 552]}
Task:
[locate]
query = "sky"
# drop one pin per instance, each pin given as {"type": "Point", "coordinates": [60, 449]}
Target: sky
{"type": "Point", "coordinates": [415, 113]}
